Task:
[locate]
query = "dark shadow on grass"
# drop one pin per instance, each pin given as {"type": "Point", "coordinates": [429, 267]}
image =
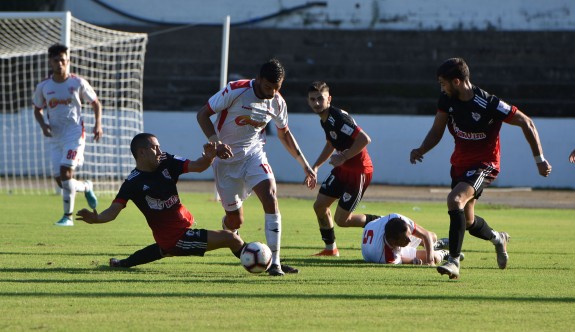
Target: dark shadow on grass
{"type": "Point", "coordinates": [346, 297]}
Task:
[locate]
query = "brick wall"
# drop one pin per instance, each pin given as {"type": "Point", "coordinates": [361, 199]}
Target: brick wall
{"type": "Point", "coordinates": [370, 72]}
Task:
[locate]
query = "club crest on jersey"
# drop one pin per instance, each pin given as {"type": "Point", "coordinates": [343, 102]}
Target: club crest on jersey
{"type": "Point", "coordinates": [166, 174]}
{"type": "Point", "coordinates": [333, 134]}
{"type": "Point", "coordinates": [470, 173]}
{"type": "Point", "coordinates": [475, 116]}
{"type": "Point", "coordinates": [346, 197]}
{"type": "Point", "coordinates": [450, 110]}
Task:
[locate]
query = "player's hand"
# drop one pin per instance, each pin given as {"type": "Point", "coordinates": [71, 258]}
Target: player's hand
{"type": "Point", "coordinates": [337, 159]}
{"type": "Point", "coordinates": [223, 151]}
{"type": "Point", "coordinates": [310, 177]}
{"type": "Point", "coordinates": [98, 133]}
{"type": "Point", "coordinates": [210, 150]}
{"type": "Point", "coordinates": [544, 168]}
{"type": "Point", "coordinates": [415, 156]}
{"type": "Point", "coordinates": [47, 130]}
{"type": "Point", "coordinates": [88, 216]}
{"type": "Point", "coordinates": [572, 157]}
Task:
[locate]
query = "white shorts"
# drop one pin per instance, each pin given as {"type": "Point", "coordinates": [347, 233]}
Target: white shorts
{"type": "Point", "coordinates": [69, 153]}
{"type": "Point", "coordinates": [235, 181]}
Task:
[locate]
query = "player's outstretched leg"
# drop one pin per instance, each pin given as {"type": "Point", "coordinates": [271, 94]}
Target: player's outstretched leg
{"type": "Point", "coordinates": [500, 241]}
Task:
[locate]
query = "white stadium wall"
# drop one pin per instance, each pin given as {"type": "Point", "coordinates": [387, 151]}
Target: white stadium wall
{"type": "Point", "coordinates": [393, 137]}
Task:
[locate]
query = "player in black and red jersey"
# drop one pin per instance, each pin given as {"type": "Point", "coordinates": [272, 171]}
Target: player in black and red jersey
{"type": "Point", "coordinates": [152, 187]}
{"type": "Point", "coordinates": [474, 118]}
{"type": "Point", "coordinates": [352, 170]}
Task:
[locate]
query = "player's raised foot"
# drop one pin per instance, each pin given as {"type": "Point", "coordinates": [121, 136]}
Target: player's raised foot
{"type": "Point", "coordinates": [442, 243]}
{"type": "Point", "coordinates": [501, 249]}
{"type": "Point", "coordinates": [328, 252]}
{"type": "Point", "coordinates": [65, 221]}
{"type": "Point", "coordinates": [89, 194]}
{"type": "Point", "coordinates": [275, 271]}
{"type": "Point", "coordinates": [114, 262]}
{"type": "Point", "coordinates": [289, 269]}
{"type": "Point", "coordinates": [451, 268]}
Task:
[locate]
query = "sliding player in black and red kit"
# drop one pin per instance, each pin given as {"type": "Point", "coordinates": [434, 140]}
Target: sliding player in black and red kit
{"type": "Point", "coordinates": [474, 118]}
{"type": "Point", "coordinates": [152, 187]}
{"type": "Point", "coordinates": [352, 170]}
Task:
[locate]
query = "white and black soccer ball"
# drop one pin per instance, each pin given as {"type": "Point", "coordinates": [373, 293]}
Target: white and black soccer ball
{"type": "Point", "coordinates": [256, 257]}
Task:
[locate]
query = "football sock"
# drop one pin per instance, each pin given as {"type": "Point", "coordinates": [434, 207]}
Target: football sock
{"type": "Point", "coordinates": [146, 255]}
{"type": "Point", "coordinates": [456, 231]}
{"type": "Point", "coordinates": [68, 196]}
{"type": "Point", "coordinates": [273, 223]}
{"type": "Point", "coordinates": [327, 236]}
{"type": "Point", "coordinates": [370, 217]}
{"type": "Point", "coordinates": [80, 186]}
{"type": "Point", "coordinates": [481, 229]}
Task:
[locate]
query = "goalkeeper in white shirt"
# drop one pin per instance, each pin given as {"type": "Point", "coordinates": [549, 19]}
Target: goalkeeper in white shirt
{"type": "Point", "coordinates": [61, 95]}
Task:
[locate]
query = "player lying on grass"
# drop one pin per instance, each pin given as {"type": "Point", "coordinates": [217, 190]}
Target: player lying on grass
{"type": "Point", "coordinates": [152, 187]}
{"type": "Point", "coordinates": [394, 239]}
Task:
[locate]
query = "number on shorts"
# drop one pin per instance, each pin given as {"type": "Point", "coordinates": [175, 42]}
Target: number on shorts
{"type": "Point", "coordinates": [266, 167]}
{"type": "Point", "coordinates": [71, 155]}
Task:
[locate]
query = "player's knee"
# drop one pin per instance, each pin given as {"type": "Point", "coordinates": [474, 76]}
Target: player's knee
{"type": "Point", "coordinates": [342, 221]}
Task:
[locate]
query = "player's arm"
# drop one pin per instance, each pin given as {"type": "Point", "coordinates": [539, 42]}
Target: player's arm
{"type": "Point", "coordinates": [327, 151]}
{"type": "Point", "coordinates": [360, 141]}
{"type": "Point", "coordinates": [97, 108]}
{"type": "Point", "coordinates": [223, 151]}
{"type": "Point", "coordinates": [39, 116]}
{"type": "Point", "coordinates": [427, 240]}
{"type": "Point", "coordinates": [433, 137]}
{"type": "Point", "coordinates": [289, 142]}
{"type": "Point", "coordinates": [201, 164]}
{"type": "Point", "coordinates": [92, 217]}
{"type": "Point", "coordinates": [532, 137]}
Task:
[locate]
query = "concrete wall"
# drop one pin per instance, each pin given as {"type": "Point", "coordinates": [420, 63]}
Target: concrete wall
{"type": "Point", "coordinates": [393, 137]}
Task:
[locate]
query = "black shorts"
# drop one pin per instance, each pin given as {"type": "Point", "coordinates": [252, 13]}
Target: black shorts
{"type": "Point", "coordinates": [478, 177]}
{"type": "Point", "coordinates": [193, 243]}
{"type": "Point", "coordinates": [348, 186]}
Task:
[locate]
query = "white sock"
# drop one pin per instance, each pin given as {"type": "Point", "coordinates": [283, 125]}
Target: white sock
{"type": "Point", "coordinates": [496, 238]}
{"type": "Point", "coordinates": [80, 186]}
{"type": "Point", "coordinates": [331, 246]}
{"type": "Point", "coordinates": [68, 196]}
{"type": "Point", "coordinates": [273, 223]}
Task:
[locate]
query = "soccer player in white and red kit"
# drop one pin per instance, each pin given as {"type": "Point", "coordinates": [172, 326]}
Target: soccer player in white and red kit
{"type": "Point", "coordinates": [474, 118]}
{"type": "Point", "coordinates": [243, 110]}
{"type": "Point", "coordinates": [352, 170]}
{"type": "Point", "coordinates": [62, 95]}
{"type": "Point", "coordinates": [394, 239]}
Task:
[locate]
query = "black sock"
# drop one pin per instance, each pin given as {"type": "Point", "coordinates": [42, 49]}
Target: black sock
{"type": "Point", "coordinates": [239, 252]}
{"type": "Point", "coordinates": [327, 235]}
{"type": "Point", "coordinates": [456, 231]}
{"type": "Point", "coordinates": [481, 229]}
{"type": "Point", "coordinates": [370, 217]}
{"type": "Point", "coordinates": [146, 255]}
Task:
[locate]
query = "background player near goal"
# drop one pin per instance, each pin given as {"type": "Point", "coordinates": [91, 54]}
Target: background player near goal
{"type": "Point", "coordinates": [112, 61]}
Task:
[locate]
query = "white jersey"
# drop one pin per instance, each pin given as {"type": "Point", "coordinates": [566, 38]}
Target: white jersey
{"type": "Point", "coordinates": [374, 247]}
{"type": "Point", "coordinates": [242, 118]}
{"type": "Point", "coordinates": [63, 102]}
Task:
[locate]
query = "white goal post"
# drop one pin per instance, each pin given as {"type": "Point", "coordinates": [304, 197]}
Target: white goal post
{"type": "Point", "coordinates": [112, 61]}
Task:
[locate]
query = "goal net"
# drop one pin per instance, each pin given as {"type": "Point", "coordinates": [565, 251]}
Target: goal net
{"type": "Point", "coordinates": [112, 61]}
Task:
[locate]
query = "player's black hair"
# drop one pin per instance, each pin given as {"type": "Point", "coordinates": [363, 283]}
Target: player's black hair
{"type": "Point", "coordinates": [394, 228]}
{"type": "Point", "coordinates": [57, 49]}
{"type": "Point", "coordinates": [140, 141]}
{"type": "Point", "coordinates": [273, 71]}
{"type": "Point", "coordinates": [318, 86]}
{"type": "Point", "coordinates": [453, 68]}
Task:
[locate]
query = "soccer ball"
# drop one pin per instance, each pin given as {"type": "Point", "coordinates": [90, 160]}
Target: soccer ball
{"type": "Point", "coordinates": [256, 257]}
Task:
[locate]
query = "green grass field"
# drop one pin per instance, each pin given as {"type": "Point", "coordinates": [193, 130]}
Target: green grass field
{"type": "Point", "coordinates": [57, 279]}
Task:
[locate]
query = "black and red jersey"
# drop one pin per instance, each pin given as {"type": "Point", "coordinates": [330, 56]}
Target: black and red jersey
{"type": "Point", "coordinates": [340, 130]}
{"type": "Point", "coordinates": [475, 126]}
{"type": "Point", "coordinates": [156, 195]}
